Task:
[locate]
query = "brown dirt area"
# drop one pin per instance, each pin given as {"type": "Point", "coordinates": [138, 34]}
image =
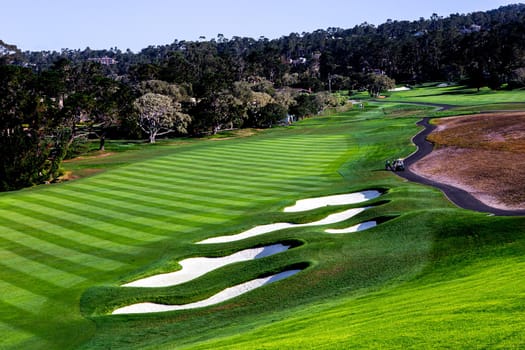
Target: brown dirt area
{"type": "Point", "coordinates": [100, 154]}
{"type": "Point", "coordinates": [483, 154]}
{"type": "Point", "coordinates": [238, 133]}
{"type": "Point", "coordinates": [69, 175]}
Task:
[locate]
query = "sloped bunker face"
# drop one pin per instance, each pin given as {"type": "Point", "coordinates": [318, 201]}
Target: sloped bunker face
{"type": "Point", "coordinates": [356, 228]}
{"type": "Point", "coordinates": [363, 226]}
{"type": "Point", "coordinates": [340, 199]}
{"type": "Point", "coordinates": [226, 294]}
{"type": "Point", "coordinates": [305, 205]}
{"type": "Point", "coordinates": [260, 230]}
{"type": "Point", "coordinates": [193, 268]}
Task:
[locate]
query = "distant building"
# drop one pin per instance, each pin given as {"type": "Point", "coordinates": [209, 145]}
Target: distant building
{"type": "Point", "coordinates": [104, 60]}
{"type": "Point", "coordinates": [6, 51]}
{"type": "Point", "coordinates": [300, 60]}
{"type": "Point", "coordinates": [474, 28]}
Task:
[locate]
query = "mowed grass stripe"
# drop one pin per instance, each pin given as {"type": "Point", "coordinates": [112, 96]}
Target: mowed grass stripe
{"type": "Point", "coordinates": [159, 198]}
{"type": "Point", "coordinates": [151, 212]}
{"type": "Point", "coordinates": [127, 225]}
{"type": "Point", "coordinates": [201, 201]}
{"type": "Point", "coordinates": [170, 173]}
{"type": "Point", "coordinates": [153, 194]}
{"type": "Point", "coordinates": [18, 292]}
{"type": "Point", "coordinates": [18, 264]}
{"type": "Point", "coordinates": [224, 158]}
{"type": "Point", "coordinates": [134, 224]}
{"type": "Point", "coordinates": [281, 148]}
{"type": "Point", "coordinates": [75, 221]}
{"type": "Point", "coordinates": [256, 159]}
{"type": "Point", "coordinates": [19, 335]}
{"type": "Point", "coordinates": [55, 256]}
{"type": "Point", "coordinates": [254, 162]}
{"type": "Point", "coordinates": [161, 208]}
{"type": "Point", "coordinates": [223, 170]}
{"type": "Point", "coordinates": [260, 184]}
{"type": "Point", "coordinates": [180, 219]}
{"type": "Point", "coordinates": [249, 174]}
{"type": "Point", "coordinates": [71, 239]}
{"type": "Point", "coordinates": [231, 191]}
{"type": "Point", "coordinates": [100, 223]}
{"type": "Point", "coordinates": [202, 194]}
{"type": "Point", "coordinates": [265, 178]}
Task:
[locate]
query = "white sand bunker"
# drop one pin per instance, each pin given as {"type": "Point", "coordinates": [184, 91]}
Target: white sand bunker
{"type": "Point", "coordinates": [340, 199]}
{"type": "Point", "coordinates": [196, 267]}
{"type": "Point", "coordinates": [225, 295]}
{"type": "Point", "coordinates": [401, 88]}
{"type": "Point", "coordinates": [259, 230]}
{"type": "Point", "coordinates": [359, 227]}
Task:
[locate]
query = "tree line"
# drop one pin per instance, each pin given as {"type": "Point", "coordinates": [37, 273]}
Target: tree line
{"type": "Point", "coordinates": [51, 102]}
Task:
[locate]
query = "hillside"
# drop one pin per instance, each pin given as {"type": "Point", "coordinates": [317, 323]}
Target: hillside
{"type": "Point", "coordinates": [423, 275]}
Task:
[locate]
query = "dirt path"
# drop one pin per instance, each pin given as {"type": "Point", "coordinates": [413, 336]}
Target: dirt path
{"type": "Point", "coordinates": [458, 196]}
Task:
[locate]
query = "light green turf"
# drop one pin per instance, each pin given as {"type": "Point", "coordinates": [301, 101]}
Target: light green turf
{"type": "Point", "coordinates": [66, 248]}
{"type": "Point", "coordinates": [458, 95]}
{"type": "Point", "coordinates": [471, 299]}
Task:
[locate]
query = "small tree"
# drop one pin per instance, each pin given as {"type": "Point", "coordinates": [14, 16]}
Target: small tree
{"type": "Point", "coordinates": [158, 115]}
{"type": "Point", "coordinates": [377, 83]}
{"type": "Point", "coordinates": [305, 105]}
{"type": "Point", "coordinates": [272, 113]}
{"type": "Point", "coordinates": [517, 78]}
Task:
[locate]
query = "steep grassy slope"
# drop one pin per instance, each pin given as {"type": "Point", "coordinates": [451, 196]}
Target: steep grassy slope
{"type": "Point", "coordinates": [471, 295]}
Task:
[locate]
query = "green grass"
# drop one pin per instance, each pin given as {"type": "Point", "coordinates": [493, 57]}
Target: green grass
{"type": "Point", "coordinates": [471, 297]}
{"type": "Point", "coordinates": [430, 275]}
{"type": "Point", "coordinates": [458, 95]}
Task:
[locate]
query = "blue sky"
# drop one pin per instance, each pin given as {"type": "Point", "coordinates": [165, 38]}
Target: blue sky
{"type": "Point", "coordinates": [134, 24]}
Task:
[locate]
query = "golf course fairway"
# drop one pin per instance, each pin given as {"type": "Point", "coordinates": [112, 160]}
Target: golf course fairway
{"type": "Point", "coordinates": [425, 274]}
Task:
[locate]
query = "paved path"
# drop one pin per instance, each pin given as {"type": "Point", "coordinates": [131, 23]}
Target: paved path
{"type": "Point", "coordinates": [456, 195]}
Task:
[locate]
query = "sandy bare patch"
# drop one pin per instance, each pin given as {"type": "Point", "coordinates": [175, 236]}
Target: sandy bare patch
{"type": "Point", "coordinates": [95, 156]}
{"type": "Point", "coordinates": [482, 154]}
{"type": "Point", "coordinates": [226, 294]}
{"type": "Point", "coordinates": [196, 267]}
{"type": "Point", "coordinates": [402, 88]}
{"type": "Point", "coordinates": [341, 199]}
{"type": "Point", "coordinates": [239, 133]}
{"type": "Point", "coordinates": [304, 205]}
{"type": "Point", "coordinates": [262, 229]}
{"type": "Point", "coordinates": [356, 228]}
{"type": "Point", "coordinates": [70, 175]}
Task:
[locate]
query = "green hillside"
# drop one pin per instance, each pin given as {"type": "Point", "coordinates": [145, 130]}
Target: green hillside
{"type": "Point", "coordinates": [429, 274]}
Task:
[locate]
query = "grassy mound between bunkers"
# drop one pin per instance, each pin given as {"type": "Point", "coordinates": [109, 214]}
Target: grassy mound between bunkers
{"type": "Point", "coordinates": [428, 274]}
